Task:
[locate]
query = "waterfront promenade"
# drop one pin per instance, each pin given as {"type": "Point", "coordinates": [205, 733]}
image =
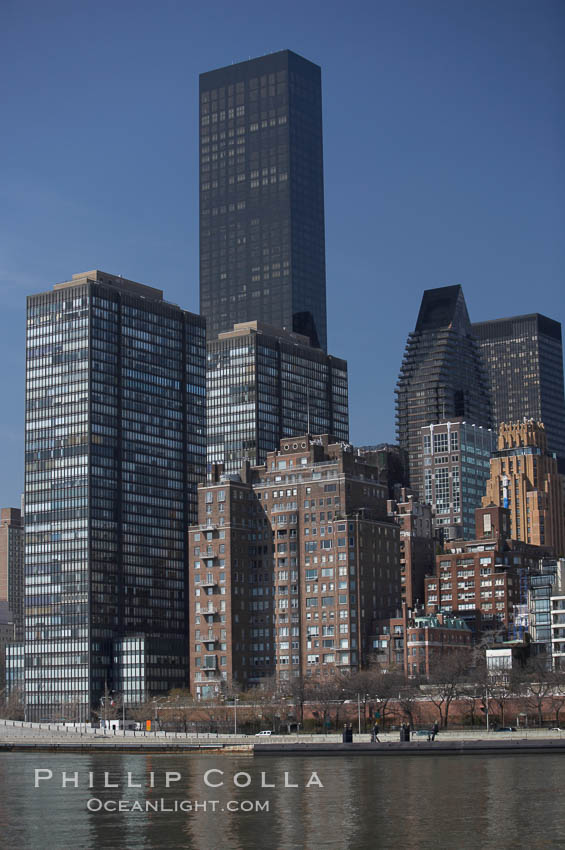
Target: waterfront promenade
{"type": "Point", "coordinates": [21, 736]}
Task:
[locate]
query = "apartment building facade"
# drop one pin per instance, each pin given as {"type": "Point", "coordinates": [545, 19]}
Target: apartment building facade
{"type": "Point", "coordinates": [487, 575]}
{"type": "Point", "coordinates": [524, 478]}
{"type": "Point", "coordinates": [417, 545]}
{"type": "Point", "coordinates": [456, 457]}
{"type": "Point", "coordinates": [291, 564]}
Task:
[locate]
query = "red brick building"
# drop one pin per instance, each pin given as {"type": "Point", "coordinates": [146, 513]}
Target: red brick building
{"type": "Point", "coordinates": [417, 545]}
{"type": "Point", "coordinates": [416, 642]}
{"type": "Point", "coordinates": [291, 566]}
{"type": "Point", "coordinates": [486, 575]}
{"type": "Point", "coordinates": [12, 566]}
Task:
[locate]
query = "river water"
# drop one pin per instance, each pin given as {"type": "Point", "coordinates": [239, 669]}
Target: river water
{"type": "Point", "coordinates": [368, 802]}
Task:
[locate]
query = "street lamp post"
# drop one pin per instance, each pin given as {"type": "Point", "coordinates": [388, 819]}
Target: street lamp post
{"type": "Point", "coordinates": [235, 715]}
{"type": "Point", "coordinates": [359, 711]}
{"type": "Point", "coordinates": [486, 707]}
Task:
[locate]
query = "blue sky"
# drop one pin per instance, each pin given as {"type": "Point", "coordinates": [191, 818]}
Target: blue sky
{"type": "Point", "coordinates": [444, 134]}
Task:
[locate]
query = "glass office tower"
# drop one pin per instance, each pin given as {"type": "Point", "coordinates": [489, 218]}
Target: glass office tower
{"type": "Point", "coordinates": [115, 447]}
{"type": "Point", "coordinates": [265, 384]}
{"type": "Point", "coordinates": [456, 468]}
{"type": "Point", "coordinates": [523, 358]}
{"type": "Point", "coordinates": [441, 377]}
{"type": "Point", "coordinates": [262, 243]}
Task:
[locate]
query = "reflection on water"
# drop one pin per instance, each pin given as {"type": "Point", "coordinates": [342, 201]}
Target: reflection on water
{"type": "Point", "coordinates": [366, 802]}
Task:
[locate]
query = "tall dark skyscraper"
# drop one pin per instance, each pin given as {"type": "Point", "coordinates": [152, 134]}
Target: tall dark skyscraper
{"type": "Point", "coordinates": [441, 377]}
{"type": "Point", "coordinates": [262, 243]}
{"type": "Point", "coordinates": [115, 447]}
{"type": "Point", "coordinates": [523, 357]}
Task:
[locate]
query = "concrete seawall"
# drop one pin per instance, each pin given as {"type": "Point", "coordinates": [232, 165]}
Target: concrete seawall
{"type": "Point", "coordinates": [417, 748]}
{"type": "Point", "coordinates": [333, 749]}
{"type": "Point", "coordinates": [17, 736]}
{"type": "Point", "coordinates": [117, 746]}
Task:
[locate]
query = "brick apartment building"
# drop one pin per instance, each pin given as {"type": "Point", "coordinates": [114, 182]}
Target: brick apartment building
{"type": "Point", "coordinates": [417, 545]}
{"type": "Point", "coordinates": [7, 633]}
{"type": "Point", "coordinates": [12, 566]}
{"type": "Point", "coordinates": [487, 575]}
{"type": "Point", "coordinates": [417, 643]}
{"type": "Point", "coordinates": [291, 566]}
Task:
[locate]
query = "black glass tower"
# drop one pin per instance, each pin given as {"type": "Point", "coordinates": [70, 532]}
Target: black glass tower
{"type": "Point", "coordinates": [115, 448]}
{"type": "Point", "coordinates": [262, 244]}
{"type": "Point", "coordinates": [523, 358]}
{"type": "Point", "coordinates": [442, 375]}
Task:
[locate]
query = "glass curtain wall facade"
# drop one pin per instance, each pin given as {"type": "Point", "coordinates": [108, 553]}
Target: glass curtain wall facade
{"type": "Point", "coordinates": [264, 385]}
{"type": "Point", "coordinates": [456, 469]}
{"type": "Point", "coordinates": [523, 358]}
{"type": "Point", "coordinates": [115, 447]}
{"type": "Point", "coordinates": [262, 242]}
{"type": "Point", "coordinates": [441, 376]}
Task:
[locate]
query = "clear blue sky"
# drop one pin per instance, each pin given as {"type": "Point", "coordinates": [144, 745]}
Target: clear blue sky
{"type": "Point", "coordinates": [444, 140]}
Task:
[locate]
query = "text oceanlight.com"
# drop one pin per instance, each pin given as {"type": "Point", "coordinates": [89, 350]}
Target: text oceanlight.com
{"type": "Point", "coordinates": [162, 805]}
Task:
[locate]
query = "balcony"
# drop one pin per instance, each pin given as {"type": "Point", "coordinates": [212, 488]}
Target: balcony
{"type": "Point", "coordinates": [210, 618]}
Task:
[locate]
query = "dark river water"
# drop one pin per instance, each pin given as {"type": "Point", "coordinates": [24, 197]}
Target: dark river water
{"type": "Point", "coordinates": [365, 802]}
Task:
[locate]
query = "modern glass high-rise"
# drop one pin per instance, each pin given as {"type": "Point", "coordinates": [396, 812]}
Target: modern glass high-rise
{"type": "Point", "coordinates": [456, 468]}
{"type": "Point", "coordinates": [115, 447]}
{"type": "Point", "coordinates": [441, 376]}
{"type": "Point", "coordinates": [264, 384]}
{"type": "Point", "coordinates": [262, 242]}
{"type": "Point", "coordinates": [523, 358]}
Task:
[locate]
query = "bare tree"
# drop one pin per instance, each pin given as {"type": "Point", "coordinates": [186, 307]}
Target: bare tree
{"type": "Point", "coordinates": [449, 674]}
{"type": "Point", "coordinates": [558, 696]}
{"type": "Point", "coordinates": [386, 687]}
{"type": "Point", "coordinates": [142, 712]}
{"type": "Point", "coordinates": [298, 695]}
{"type": "Point", "coordinates": [375, 686]}
{"type": "Point", "coordinates": [266, 699]}
{"type": "Point", "coordinates": [12, 704]}
{"type": "Point", "coordinates": [179, 708]}
{"type": "Point", "coordinates": [408, 702]}
{"type": "Point", "coordinates": [325, 693]}
{"type": "Point", "coordinates": [536, 682]}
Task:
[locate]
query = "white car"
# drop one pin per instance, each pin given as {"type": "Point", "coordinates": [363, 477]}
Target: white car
{"type": "Point", "coordinates": [265, 732]}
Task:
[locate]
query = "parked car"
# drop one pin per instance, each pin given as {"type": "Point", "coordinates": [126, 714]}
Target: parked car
{"type": "Point", "coordinates": [264, 732]}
